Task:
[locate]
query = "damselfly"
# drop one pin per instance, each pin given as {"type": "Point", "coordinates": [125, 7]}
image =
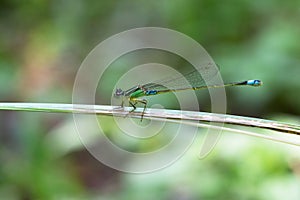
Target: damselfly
{"type": "Point", "coordinates": [194, 82]}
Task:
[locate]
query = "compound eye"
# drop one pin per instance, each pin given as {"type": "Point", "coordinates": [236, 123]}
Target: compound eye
{"type": "Point", "coordinates": [119, 92]}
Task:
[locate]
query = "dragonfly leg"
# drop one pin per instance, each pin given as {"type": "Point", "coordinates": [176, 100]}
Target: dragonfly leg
{"type": "Point", "coordinates": [121, 106]}
{"type": "Point", "coordinates": [133, 105]}
{"type": "Point", "coordinates": [134, 102]}
{"type": "Point", "coordinates": [144, 101]}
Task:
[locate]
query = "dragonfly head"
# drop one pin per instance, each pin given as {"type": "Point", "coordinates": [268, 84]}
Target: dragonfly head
{"type": "Point", "coordinates": [119, 92]}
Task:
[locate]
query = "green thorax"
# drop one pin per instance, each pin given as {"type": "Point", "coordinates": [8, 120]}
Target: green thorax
{"type": "Point", "coordinates": [137, 94]}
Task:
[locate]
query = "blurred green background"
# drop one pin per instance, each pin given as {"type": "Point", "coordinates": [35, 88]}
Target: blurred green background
{"type": "Point", "coordinates": [42, 44]}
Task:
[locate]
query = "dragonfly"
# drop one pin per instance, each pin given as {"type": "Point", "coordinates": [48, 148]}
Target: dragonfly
{"type": "Point", "coordinates": [189, 81]}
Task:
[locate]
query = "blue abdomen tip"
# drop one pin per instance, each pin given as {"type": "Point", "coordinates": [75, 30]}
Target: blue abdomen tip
{"type": "Point", "coordinates": [254, 82]}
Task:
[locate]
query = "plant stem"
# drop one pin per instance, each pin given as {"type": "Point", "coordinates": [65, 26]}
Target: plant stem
{"type": "Point", "coordinates": [153, 114]}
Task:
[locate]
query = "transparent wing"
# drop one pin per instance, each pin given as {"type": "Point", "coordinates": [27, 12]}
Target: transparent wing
{"type": "Point", "coordinates": [195, 78]}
